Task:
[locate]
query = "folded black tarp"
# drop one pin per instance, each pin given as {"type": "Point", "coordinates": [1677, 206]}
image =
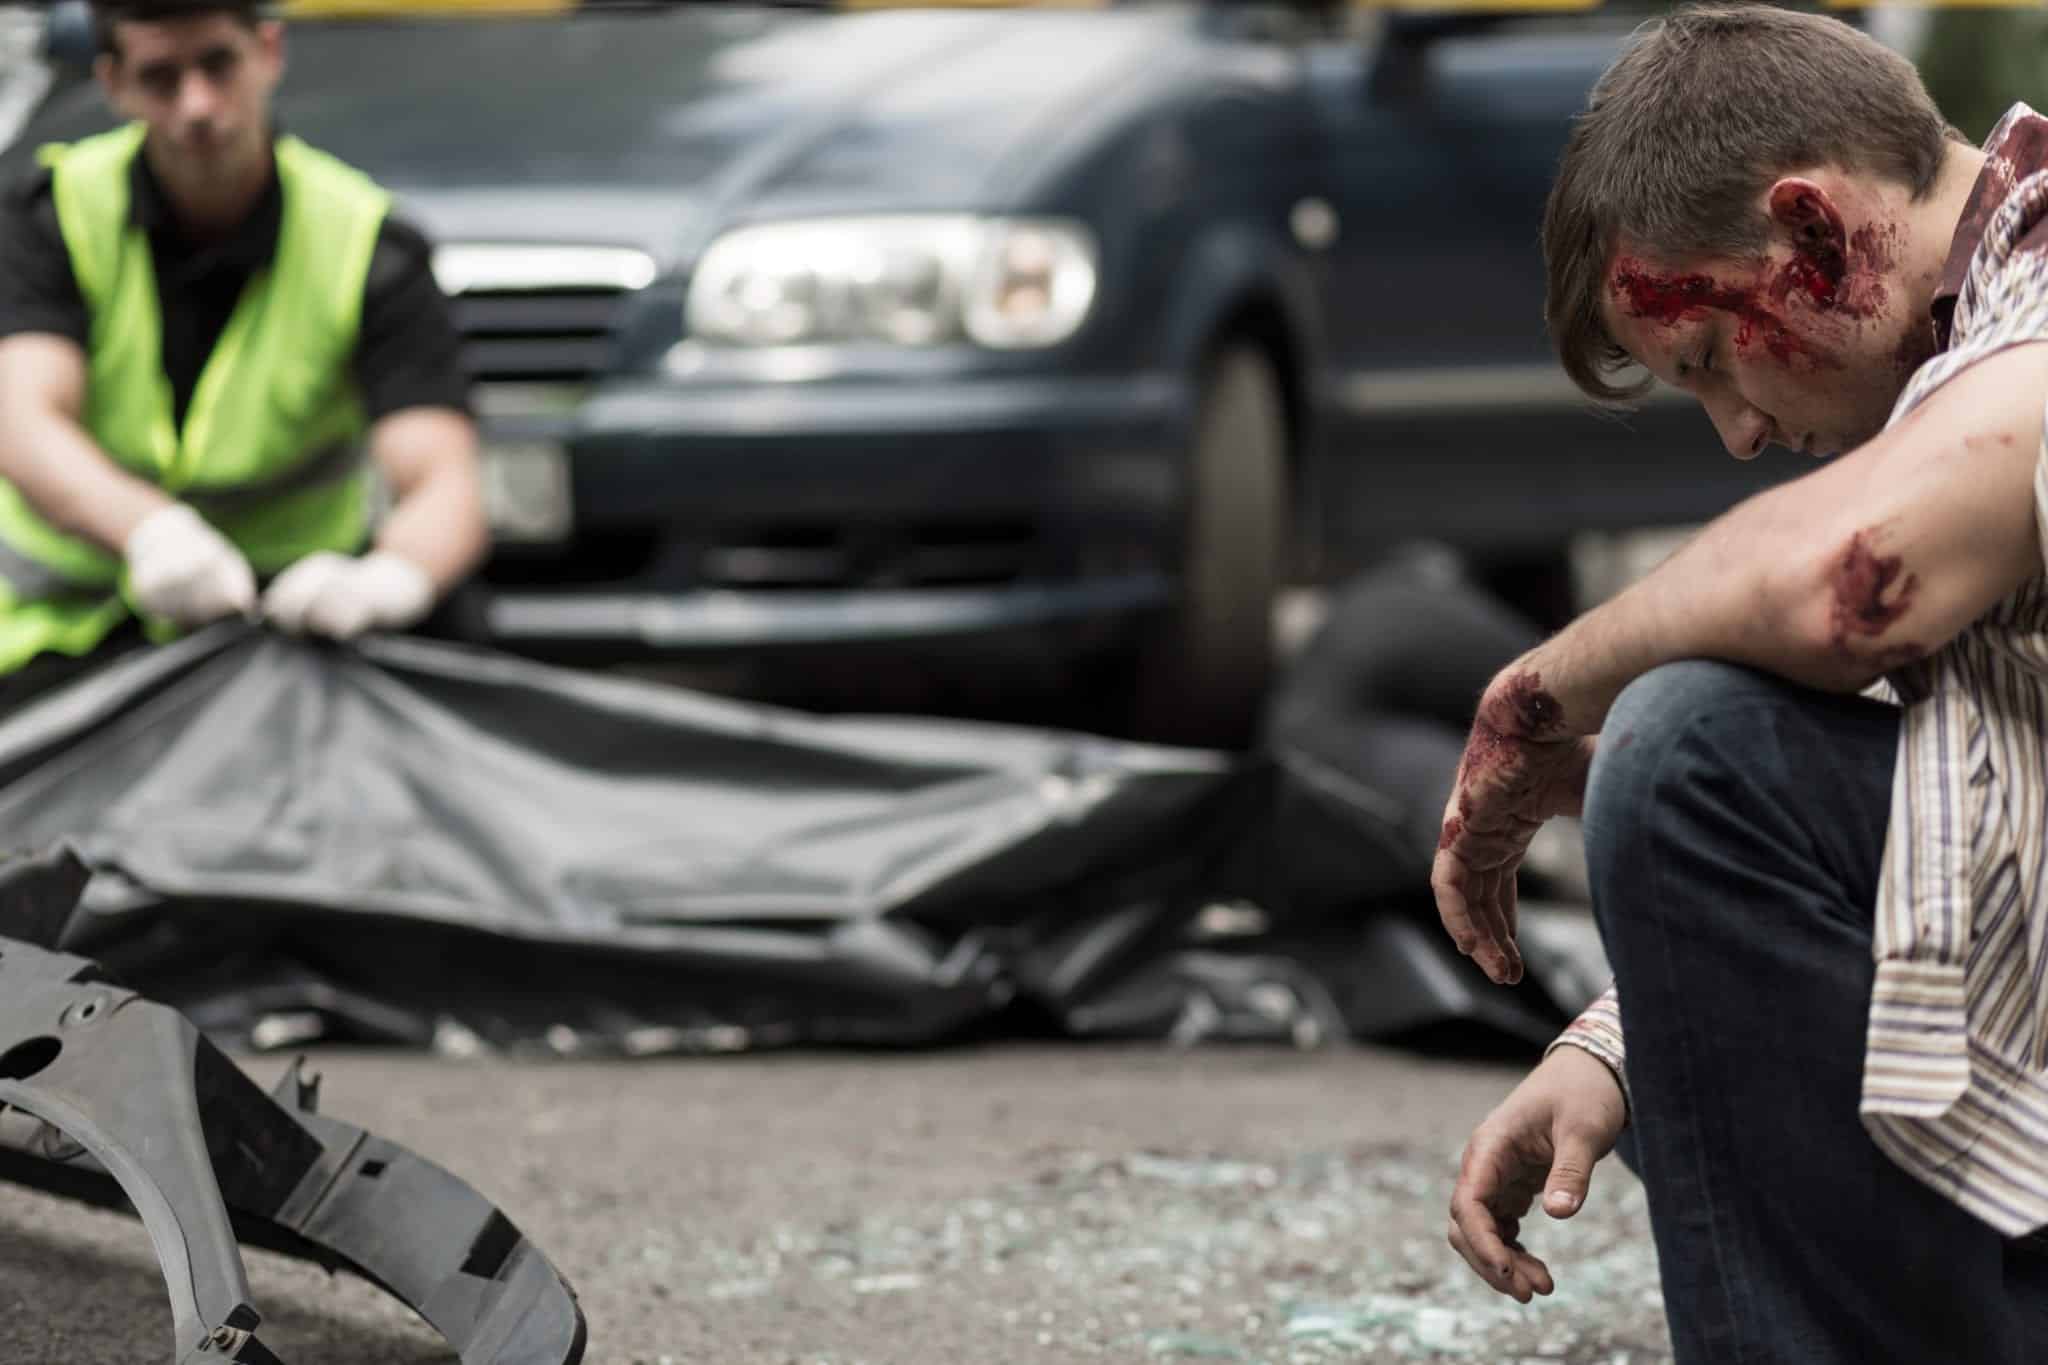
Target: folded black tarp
{"type": "Point", "coordinates": [423, 843]}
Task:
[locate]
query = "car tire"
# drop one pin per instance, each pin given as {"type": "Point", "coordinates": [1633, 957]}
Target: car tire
{"type": "Point", "coordinates": [1202, 667]}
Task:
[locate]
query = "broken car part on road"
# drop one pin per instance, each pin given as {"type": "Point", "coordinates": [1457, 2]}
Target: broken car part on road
{"type": "Point", "coordinates": [127, 1105]}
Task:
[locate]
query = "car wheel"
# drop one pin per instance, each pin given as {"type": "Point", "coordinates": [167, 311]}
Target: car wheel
{"type": "Point", "coordinates": [1202, 668]}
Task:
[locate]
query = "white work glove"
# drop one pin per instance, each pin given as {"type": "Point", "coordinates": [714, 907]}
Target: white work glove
{"type": "Point", "coordinates": [181, 569]}
{"type": "Point", "coordinates": [341, 596]}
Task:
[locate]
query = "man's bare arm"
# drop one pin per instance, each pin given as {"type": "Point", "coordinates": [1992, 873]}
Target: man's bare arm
{"type": "Point", "coordinates": [1830, 580]}
{"type": "Point", "coordinates": [46, 453]}
{"type": "Point", "coordinates": [1833, 579]}
{"type": "Point", "coordinates": [429, 455]}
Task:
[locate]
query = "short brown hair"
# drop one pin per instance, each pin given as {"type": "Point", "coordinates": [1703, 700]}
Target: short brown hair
{"type": "Point", "coordinates": [1690, 125]}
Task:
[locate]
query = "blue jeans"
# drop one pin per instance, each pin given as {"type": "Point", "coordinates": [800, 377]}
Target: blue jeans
{"type": "Point", "coordinates": [1734, 826]}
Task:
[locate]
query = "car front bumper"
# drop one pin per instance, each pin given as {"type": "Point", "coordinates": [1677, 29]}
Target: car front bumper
{"type": "Point", "coordinates": [728, 517]}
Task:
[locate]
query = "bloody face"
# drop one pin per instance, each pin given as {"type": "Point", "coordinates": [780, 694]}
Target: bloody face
{"type": "Point", "coordinates": [1806, 347]}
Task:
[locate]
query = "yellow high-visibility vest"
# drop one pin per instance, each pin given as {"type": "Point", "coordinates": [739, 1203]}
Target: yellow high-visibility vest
{"type": "Point", "coordinates": [270, 451]}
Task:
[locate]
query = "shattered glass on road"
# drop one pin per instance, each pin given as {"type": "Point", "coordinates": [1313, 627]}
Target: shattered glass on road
{"type": "Point", "coordinates": [1151, 1255]}
{"type": "Point", "coordinates": [1026, 1204]}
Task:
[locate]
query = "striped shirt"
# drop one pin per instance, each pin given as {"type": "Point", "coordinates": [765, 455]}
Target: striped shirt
{"type": "Point", "coordinates": [1955, 1080]}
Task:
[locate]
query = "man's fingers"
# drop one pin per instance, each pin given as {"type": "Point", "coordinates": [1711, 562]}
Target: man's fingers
{"type": "Point", "coordinates": [1531, 1271]}
{"type": "Point", "coordinates": [1473, 1230]}
{"type": "Point", "coordinates": [338, 613]}
{"type": "Point", "coordinates": [292, 593]}
{"type": "Point", "coordinates": [1478, 910]}
{"type": "Point", "coordinates": [1495, 1186]}
{"type": "Point", "coordinates": [235, 584]}
{"type": "Point", "coordinates": [1497, 953]}
{"type": "Point", "coordinates": [1449, 880]}
{"type": "Point", "coordinates": [1502, 904]}
{"type": "Point", "coordinates": [1481, 1180]}
{"type": "Point", "coordinates": [1571, 1172]}
{"type": "Point", "coordinates": [1521, 1276]}
{"type": "Point", "coordinates": [1487, 1268]}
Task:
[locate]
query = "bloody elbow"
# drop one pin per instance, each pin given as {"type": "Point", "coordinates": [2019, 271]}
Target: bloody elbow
{"type": "Point", "coordinates": [1868, 597]}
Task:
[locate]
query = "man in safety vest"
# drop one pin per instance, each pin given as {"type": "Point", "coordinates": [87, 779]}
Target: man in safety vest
{"type": "Point", "coordinates": [211, 337]}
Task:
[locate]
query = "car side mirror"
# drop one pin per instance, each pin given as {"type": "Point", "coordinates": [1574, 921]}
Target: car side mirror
{"type": "Point", "coordinates": [68, 40]}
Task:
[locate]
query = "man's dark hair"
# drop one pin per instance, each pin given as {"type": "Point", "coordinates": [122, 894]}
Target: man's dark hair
{"type": "Point", "coordinates": [1690, 125]}
{"type": "Point", "coordinates": [107, 13]}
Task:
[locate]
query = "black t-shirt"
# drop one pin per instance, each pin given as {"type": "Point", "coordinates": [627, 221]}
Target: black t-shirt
{"type": "Point", "coordinates": [407, 351]}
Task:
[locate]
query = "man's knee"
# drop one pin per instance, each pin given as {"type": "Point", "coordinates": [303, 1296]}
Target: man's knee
{"type": "Point", "coordinates": [1713, 767]}
{"type": "Point", "coordinates": [1649, 721]}
{"type": "Point", "coordinates": [1653, 714]}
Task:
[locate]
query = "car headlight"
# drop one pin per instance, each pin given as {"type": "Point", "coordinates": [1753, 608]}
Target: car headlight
{"type": "Point", "coordinates": [910, 281]}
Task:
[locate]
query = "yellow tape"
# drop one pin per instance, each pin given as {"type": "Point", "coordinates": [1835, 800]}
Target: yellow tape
{"type": "Point", "coordinates": [1932, 5]}
{"type": "Point", "coordinates": [973, 4]}
{"type": "Point", "coordinates": [330, 9]}
{"type": "Point", "coordinates": [485, 8]}
{"type": "Point", "coordinates": [1477, 6]}
{"type": "Point", "coordinates": [1418, 6]}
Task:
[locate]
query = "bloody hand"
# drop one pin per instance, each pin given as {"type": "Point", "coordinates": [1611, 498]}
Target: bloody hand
{"type": "Point", "coordinates": [1520, 768]}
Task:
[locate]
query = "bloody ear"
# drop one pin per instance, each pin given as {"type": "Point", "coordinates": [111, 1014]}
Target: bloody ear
{"type": "Point", "coordinates": [1806, 213]}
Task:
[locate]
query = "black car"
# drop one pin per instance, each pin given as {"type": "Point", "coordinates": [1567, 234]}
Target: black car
{"type": "Point", "coordinates": [996, 339]}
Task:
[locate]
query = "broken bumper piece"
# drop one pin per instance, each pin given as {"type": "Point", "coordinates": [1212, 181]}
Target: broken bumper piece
{"type": "Point", "coordinates": [128, 1106]}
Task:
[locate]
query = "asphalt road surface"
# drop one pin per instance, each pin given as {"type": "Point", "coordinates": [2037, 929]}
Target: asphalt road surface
{"type": "Point", "coordinates": [968, 1207]}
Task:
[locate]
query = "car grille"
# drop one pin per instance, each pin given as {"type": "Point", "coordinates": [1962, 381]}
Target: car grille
{"type": "Point", "coordinates": [929, 554]}
{"type": "Point", "coordinates": [526, 338]}
{"type": "Point", "coordinates": [787, 557]}
{"type": "Point", "coordinates": [537, 314]}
